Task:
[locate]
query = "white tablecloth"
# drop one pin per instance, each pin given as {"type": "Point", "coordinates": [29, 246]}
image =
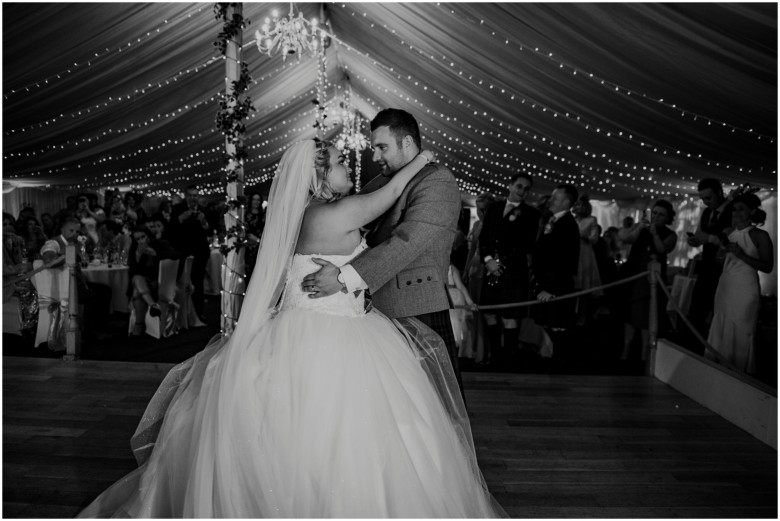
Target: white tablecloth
{"type": "Point", "coordinates": [212, 281]}
{"type": "Point", "coordinates": [682, 292]}
{"type": "Point", "coordinates": [117, 278]}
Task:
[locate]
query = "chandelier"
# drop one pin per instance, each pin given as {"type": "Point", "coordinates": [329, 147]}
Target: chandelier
{"type": "Point", "coordinates": [290, 34]}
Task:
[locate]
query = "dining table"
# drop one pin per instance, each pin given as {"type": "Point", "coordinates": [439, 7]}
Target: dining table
{"type": "Point", "coordinates": [115, 276]}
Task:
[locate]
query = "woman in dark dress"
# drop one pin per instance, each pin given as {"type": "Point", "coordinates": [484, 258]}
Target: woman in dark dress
{"type": "Point", "coordinates": [255, 222]}
{"type": "Point", "coordinates": [143, 263]}
{"type": "Point", "coordinates": [649, 239]}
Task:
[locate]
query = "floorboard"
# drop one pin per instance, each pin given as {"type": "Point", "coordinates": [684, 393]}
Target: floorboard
{"type": "Point", "coordinates": [550, 446]}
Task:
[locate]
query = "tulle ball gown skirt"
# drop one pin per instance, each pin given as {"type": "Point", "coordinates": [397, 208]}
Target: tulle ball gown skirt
{"type": "Point", "coordinates": [322, 416]}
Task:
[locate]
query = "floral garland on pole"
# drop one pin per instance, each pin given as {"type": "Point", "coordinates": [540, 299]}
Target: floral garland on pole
{"type": "Point", "coordinates": [235, 107]}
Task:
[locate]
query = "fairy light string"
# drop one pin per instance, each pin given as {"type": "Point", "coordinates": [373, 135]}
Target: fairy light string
{"type": "Point", "coordinates": [622, 134]}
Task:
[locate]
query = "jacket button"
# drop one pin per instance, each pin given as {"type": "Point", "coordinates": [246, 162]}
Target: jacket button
{"type": "Point", "coordinates": [429, 278]}
{"type": "Point", "coordinates": [408, 282]}
{"type": "Point", "coordinates": [419, 280]}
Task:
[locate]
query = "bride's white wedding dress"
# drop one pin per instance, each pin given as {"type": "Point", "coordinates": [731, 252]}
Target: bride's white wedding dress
{"type": "Point", "coordinates": [331, 413]}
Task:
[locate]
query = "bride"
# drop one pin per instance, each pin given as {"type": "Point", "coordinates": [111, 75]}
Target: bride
{"type": "Point", "coordinates": [313, 407]}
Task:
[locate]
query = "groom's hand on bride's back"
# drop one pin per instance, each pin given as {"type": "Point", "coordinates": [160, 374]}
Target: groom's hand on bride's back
{"type": "Point", "coordinates": [324, 282]}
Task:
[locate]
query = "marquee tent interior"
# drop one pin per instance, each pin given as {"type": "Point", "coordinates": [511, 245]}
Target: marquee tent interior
{"type": "Point", "coordinates": [631, 102]}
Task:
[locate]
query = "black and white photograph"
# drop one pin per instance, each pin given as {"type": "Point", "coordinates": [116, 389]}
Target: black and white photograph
{"type": "Point", "coordinates": [390, 260]}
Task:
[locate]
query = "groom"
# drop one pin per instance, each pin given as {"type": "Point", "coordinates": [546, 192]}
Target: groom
{"type": "Point", "coordinates": [406, 267]}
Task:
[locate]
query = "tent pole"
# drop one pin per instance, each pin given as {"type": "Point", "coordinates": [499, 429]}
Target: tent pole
{"type": "Point", "coordinates": [233, 280]}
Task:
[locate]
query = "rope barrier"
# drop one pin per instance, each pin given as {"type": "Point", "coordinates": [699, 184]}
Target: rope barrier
{"type": "Point", "coordinates": [29, 274]}
{"type": "Point", "coordinates": [570, 295]}
{"type": "Point", "coordinates": [721, 359]}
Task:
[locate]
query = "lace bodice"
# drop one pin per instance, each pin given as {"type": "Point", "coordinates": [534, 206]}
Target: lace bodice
{"type": "Point", "coordinates": [344, 304]}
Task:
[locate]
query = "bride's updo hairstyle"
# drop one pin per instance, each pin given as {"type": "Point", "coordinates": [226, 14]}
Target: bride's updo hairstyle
{"type": "Point", "coordinates": [320, 189]}
{"type": "Point", "coordinates": [757, 215]}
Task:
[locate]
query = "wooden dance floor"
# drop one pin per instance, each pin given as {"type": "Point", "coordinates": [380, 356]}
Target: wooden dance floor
{"type": "Point", "coordinates": [550, 446]}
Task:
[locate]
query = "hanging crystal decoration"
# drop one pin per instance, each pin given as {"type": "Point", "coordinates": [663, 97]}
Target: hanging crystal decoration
{"type": "Point", "coordinates": [351, 137]}
{"type": "Point", "coordinates": [290, 34]}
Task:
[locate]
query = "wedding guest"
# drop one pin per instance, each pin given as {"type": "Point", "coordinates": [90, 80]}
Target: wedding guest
{"type": "Point", "coordinates": [165, 211]}
{"type": "Point", "coordinates": [473, 272]}
{"type": "Point", "coordinates": [16, 262]}
{"type": "Point", "coordinates": [649, 239]}
{"type": "Point", "coordinates": [461, 313]}
{"type": "Point", "coordinates": [158, 226]}
{"type": "Point", "coordinates": [95, 297]}
{"type": "Point", "coordinates": [144, 263]}
{"type": "Point", "coordinates": [25, 213]}
{"type": "Point", "coordinates": [587, 269]}
{"type": "Point", "coordinates": [255, 222]}
{"type": "Point", "coordinates": [553, 270]}
{"type": "Point", "coordinates": [89, 220]}
{"type": "Point", "coordinates": [505, 244]}
{"type": "Point", "coordinates": [460, 244]}
{"type": "Point", "coordinates": [737, 298]}
{"type": "Point", "coordinates": [71, 203]}
{"type": "Point", "coordinates": [118, 211]}
{"type": "Point", "coordinates": [112, 240]}
{"type": "Point", "coordinates": [33, 237]}
{"type": "Point", "coordinates": [133, 207]}
{"type": "Point", "coordinates": [48, 225]}
{"type": "Point", "coordinates": [190, 231]}
{"type": "Point", "coordinates": [625, 248]}
{"type": "Point", "coordinates": [715, 218]}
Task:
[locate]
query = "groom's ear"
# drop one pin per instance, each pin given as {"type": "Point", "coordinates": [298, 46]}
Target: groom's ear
{"type": "Point", "coordinates": [408, 143]}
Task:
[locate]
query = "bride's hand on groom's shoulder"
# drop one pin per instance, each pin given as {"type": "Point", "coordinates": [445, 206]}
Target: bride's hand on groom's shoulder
{"type": "Point", "coordinates": [429, 156]}
{"type": "Point", "coordinates": [323, 282]}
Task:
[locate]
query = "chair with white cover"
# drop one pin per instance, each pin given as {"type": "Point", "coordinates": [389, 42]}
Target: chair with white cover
{"type": "Point", "coordinates": [52, 285]}
{"type": "Point", "coordinates": [12, 315]}
{"type": "Point", "coordinates": [188, 317]}
{"type": "Point", "coordinates": [166, 324]}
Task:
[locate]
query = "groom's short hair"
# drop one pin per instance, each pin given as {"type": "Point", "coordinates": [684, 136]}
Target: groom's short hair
{"type": "Point", "coordinates": [400, 123]}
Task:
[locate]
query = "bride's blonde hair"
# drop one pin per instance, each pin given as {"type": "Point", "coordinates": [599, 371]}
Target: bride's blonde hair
{"type": "Point", "coordinates": [320, 189]}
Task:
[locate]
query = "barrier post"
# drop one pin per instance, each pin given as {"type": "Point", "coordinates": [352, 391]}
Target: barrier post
{"type": "Point", "coordinates": [654, 273]}
{"type": "Point", "coordinates": [73, 332]}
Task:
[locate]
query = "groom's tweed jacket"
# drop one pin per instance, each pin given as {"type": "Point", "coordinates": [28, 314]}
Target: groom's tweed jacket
{"type": "Point", "coordinates": [406, 266]}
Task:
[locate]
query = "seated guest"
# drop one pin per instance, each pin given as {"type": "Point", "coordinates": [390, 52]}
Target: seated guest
{"type": "Point", "coordinates": [95, 297]}
{"type": "Point", "coordinates": [112, 240]}
{"type": "Point", "coordinates": [748, 250]}
{"type": "Point", "coordinates": [649, 239]}
{"type": "Point", "coordinates": [71, 203]}
{"type": "Point", "coordinates": [144, 262]}
{"type": "Point", "coordinates": [133, 207]}
{"type": "Point", "coordinates": [16, 262]}
{"type": "Point", "coordinates": [158, 227]}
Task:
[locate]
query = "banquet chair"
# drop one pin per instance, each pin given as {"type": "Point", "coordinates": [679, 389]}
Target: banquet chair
{"type": "Point", "coordinates": [188, 317]}
{"type": "Point", "coordinates": [12, 315]}
{"type": "Point", "coordinates": [53, 285]}
{"type": "Point", "coordinates": [164, 325]}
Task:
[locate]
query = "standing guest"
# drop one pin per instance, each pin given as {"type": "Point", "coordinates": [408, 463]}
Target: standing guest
{"type": "Point", "coordinates": [255, 222]}
{"type": "Point", "coordinates": [553, 269]}
{"type": "Point", "coordinates": [190, 231]}
{"type": "Point", "coordinates": [97, 210]}
{"type": "Point", "coordinates": [461, 313]}
{"type": "Point", "coordinates": [134, 210]}
{"type": "Point", "coordinates": [165, 211]}
{"type": "Point", "coordinates": [715, 218]}
{"type": "Point", "coordinates": [89, 219]}
{"type": "Point", "coordinates": [587, 268]}
{"type": "Point", "coordinates": [649, 239]}
{"type": "Point", "coordinates": [505, 244]}
{"type": "Point", "coordinates": [460, 244]}
{"type": "Point", "coordinates": [625, 248]}
{"type": "Point", "coordinates": [474, 271]}
{"type": "Point", "coordinates": [143, 263]}
{"type": "Point", "coordinates": [95, 297]}
{"type": "Point", "coordinates": [48, 225]}
{"type": "Point", "coordinates": [71, 203]}
{"type": "Point", "coordinates": [14, 258]}
{"type": "Point", "coordinates": [118, 211]}
{"type": "Point", "coordinates": [737, 299]}
{"type": "Point", "coordinates": [33, 237]}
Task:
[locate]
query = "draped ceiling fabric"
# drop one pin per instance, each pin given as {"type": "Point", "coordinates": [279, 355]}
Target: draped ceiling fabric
{"type": "Point", "coordinates": [631, 102]}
